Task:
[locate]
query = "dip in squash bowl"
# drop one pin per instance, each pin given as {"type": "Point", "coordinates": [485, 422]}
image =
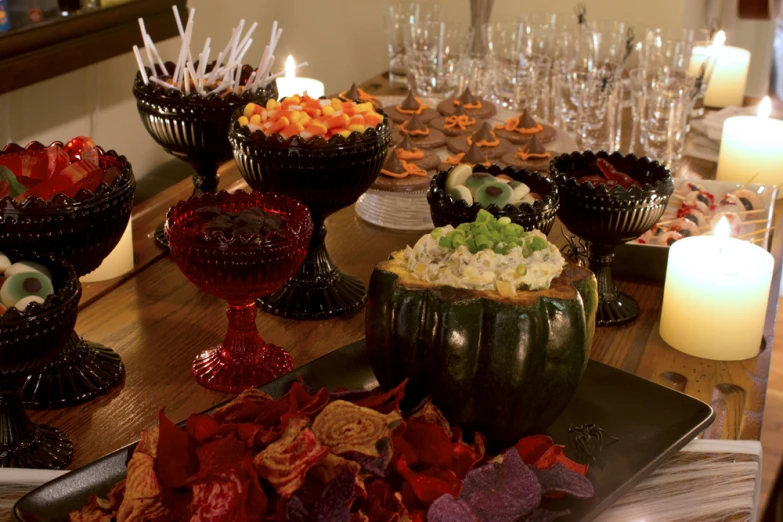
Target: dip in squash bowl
{"type": "Point", "coordinates": [488, 320]}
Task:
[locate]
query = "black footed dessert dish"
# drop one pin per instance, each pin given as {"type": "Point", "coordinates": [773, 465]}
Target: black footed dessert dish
{"type": "Point", "coordinates": [83, 230]}
{"type": "Point", "coordinates": [326, 175]}
{"type": "Point", "coordinates": [606, 214]}
{"type": "Point", "coordinates": [448, 210]}
{"type": "Point", "coordinates": [194, 127]}
{"type": "Point", "coordinates": [30, 340]}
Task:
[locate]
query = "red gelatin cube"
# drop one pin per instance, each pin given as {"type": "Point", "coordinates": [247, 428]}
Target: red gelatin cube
{"type": "Point", "coordinates": [68, 181]}
{"type": "Point", "coordinates": [30, 166]}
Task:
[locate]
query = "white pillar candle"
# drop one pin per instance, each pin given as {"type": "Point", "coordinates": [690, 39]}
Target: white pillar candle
{"type": "Point", "coordinates": [727, 85]}
{"type": "Point", "coordinates": [118, 262]}
{"type": "Point", "coordinates": [291, 84]}
{"type": "Point", "coordinates": [751, 147]}
{"type": "Point", "coordinates": [715, 296]}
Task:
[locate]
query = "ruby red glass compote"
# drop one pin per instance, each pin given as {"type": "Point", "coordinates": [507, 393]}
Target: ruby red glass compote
{"type": "Point", "coordinates": [239, 247]}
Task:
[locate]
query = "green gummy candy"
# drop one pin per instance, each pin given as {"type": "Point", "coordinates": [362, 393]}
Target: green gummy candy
{"type": "Point", "coordinates": [16, 188]}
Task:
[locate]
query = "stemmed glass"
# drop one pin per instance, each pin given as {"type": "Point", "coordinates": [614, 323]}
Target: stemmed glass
{"type": "Point", "coordinates": [192, 127]}
{"type": "Point", "coordinates": [396, 18]}
{"type": "Point", "coordinates": [239, 269]}
{"type": "Point", "coordinates": [82, 230]}
{"type": "Point", "coordinates": [433, 53]}
{"type": "Point", "coordinates": [30, 340]}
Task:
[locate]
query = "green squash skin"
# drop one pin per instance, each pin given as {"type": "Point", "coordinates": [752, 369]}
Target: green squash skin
{"type": "Point", "coordinates": [503, 369]}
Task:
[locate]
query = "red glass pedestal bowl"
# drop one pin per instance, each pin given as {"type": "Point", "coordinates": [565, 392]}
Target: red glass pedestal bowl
{"type": "Point", "coordinates": [326, 176]}
{"type": "Point", "coordinates": [82, 230]}
{"type": "Point", "coordinates": [606, 217]}
{"type": "Point", "coordinates": [30, 340]}
{"type": "Point", "coordinates": [239, 270]}
{"type": "Point", "coordinates": [194, 128]}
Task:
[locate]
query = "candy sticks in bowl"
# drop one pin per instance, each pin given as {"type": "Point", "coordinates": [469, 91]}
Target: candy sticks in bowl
{"type": "Point", "coordinates": [186, 106]}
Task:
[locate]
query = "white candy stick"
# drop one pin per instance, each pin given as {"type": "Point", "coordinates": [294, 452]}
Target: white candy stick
{"type": "Point", "coordinates": [272, 36]}
{"type": "Point", "coordinates": [235, 46]}
{"type": "Point", "coordinates": [202, 60]}
{"type": "Point", "coordinates": [186, 80]}
{"type": "Point", "coordinates": [277, 38]}
{"type": "Point", "coordinates": [164, 84]}
{"type": "Point", "coordinates": [179, 21]}
{"type": "Point", "coordinates": [194, 77]}
{"type": "Point", "coordinates": [237, 76]}
{"type": "Point", "coordinates": [141, 65]}
{"type": "Point", "coordinates": [222, 87]}
{"type": "Point", "coordinates": [259, 70]}
{"type": "Point", "coordinates": [184, 49]}
{"type": "Point", "coordinates": [144, 37]}
{"type": "Point", "coordinates": [215, 70]}
{"type": "Point", "coordinates": [247, 36]}
{"type": "Point", "coordinates": [263, 81]}
{"type": "Point", "coordinates": [244, 50]}
{"type": "Point", "coordinates": [227, 51]}
{"type": "Point", "coordinates": [155, 53]}
{"type": "Point", "coordinates": [281, 73]}
{"type": "Point", "coordinates": [250, 80]}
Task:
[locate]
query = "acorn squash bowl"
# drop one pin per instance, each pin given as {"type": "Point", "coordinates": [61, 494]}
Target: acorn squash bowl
{"type": "Point", "coordinates": [503, 366]}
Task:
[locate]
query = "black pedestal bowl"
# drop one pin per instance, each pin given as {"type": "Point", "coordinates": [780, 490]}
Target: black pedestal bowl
{"type": "Point", "coordinates": [29, 340]}
{"type": "Point", "coordinates": [539, 216]}
{"type": "Point", "coordinates": [606, 217]}
{"type": "Point", "coordinates": [326, 176]}
{"type": "Point", "coordinates": [83, 230]}
{"type": "Point", "coordinates": [192, 127]}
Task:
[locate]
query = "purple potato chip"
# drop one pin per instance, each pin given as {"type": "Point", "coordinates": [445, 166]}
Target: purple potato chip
{"type": "Point", "coordinates": [376, 465]}
{"type": "Point", "coordinates": [335, 502]}
{"type": "Point", "coordinates": [502, 491]}
{"type": "Point", "coordinates": [560, 479]}
{"type": "Point", "coordinates": [544, 515]}
{"type": "Point", "coordinates": [449, 509]}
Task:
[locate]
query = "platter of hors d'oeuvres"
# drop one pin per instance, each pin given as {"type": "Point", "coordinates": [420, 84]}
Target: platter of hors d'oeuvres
{"type": "Point", "coordinates": [695, 209]}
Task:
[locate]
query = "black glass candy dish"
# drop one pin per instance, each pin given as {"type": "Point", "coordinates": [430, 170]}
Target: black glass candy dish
{"type": "Point", "coordinates": [540, 215]}
{"type": "Point", "coordinates": [83, 230]}
{"type": "Point", "coordinates": [30, 340]}
{"type": "Point", "coordinates": [325, 175]}
{"type": "Point", "coordinates": [606, 217]}
{"type": "Point", "coordinates": [193, 127]}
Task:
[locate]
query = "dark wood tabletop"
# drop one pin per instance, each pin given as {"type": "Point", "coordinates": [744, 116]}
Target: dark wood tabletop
{"type": "Point", "coordinates": [158, 321]}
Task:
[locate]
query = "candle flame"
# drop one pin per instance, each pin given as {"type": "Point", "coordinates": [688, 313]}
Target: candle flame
{"type": "Point", "coordinates": [290, 68]}
{"type": "Point", "coordinates": [765, 107]}
{"type": "Point", "coordinates": [720, 39]}
{"type": "Point", "coordinates": [722, 229]}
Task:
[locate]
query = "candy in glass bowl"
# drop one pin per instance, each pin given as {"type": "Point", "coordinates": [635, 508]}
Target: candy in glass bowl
{"type": "Point", "coordinates": [39, 296]}
{"type": "Point", "coordinates": [73, 201]}
{"type": "Point", "coordinates": [239, 247]}
{"type": "Point", "coordinates": [608, 200]}
{"type": "Point", "coordinates": [325, 153]}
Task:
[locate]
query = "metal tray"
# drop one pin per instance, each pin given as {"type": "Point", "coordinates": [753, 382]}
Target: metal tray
{"type": "Point", "coordinates": [652, 422]}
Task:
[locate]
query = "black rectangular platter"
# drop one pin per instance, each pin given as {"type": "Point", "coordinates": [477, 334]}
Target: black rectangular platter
{"type": "Point", "coordinates": [651, 421]}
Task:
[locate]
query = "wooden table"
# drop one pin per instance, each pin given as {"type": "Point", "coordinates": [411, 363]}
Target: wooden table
{"type": "Point", "coordinates": [158, 321]}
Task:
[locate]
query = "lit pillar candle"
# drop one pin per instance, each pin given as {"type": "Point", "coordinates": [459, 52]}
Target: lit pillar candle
{"type": "Point", "coordinates": [291, 84]}
{"type": "Point", "coordinates": [727, 85]}
{"type": "Point", "coordinates": [751, 148]}
{"type": "Point", "coordinates": [715, 296]}
{"type": "Point", "coordinates": [118, 262]}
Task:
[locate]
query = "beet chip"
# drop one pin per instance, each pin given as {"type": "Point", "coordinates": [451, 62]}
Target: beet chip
{"type": "Point", "coordinates": [560, 479]}
{"type": "Point", "coordinates": [432, 442]}
{"type": "Point", "coordinates": [429, 484]}
{"type": "Point", "coordinates": [98, 509]}
{"type": "Point", "coordinates": [375, 465]}
{"type": "Point", "coordinates": [426, 411]}
{"type": "Point", "coordinates": [334, 505]}
{"type": "Point", "coordinates": [233, 496]}
{"type": "Point", "coordinates": [345, 427]}
{"type": "Point", "coordinates": [143, 499]}
{"type": "Point", "coordinates": [284, 463]}
{"type": "Point", "coordinates": [502, 492]}
{"type": "Point", "coordinates": [384, 402]}
{"type": "Point", "coordinates": [243, 408]}
{"type": "Point", "coordinates": [331, 466]}
{"type": "Point", "coordinates": [544, 515]}
{"type": "Point", "coordinates": [533, 447]}
{"type": "Point", "coordinates": [201, 427]}
{"type": "Point", "coordinates": [449, 509]}
{"type": "Point", "coordinates": [385, 504]}
{"type": "Point", "coordinates": [221, 454]}
{"type": "Point", "coordinates": [178, 455]}
{"type": "Point", "coordinates": [556, 455]}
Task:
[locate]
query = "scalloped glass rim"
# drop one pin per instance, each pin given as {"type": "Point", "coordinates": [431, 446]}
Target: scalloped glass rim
{"type": "Point", "coordinates": [154, 90]}
{"type": "Point", "coordinates": [526, 209]}
{"type": "Point", "coordinates": [277, 141]}
{"type": "Point", "coordinates": [84, 196]}
{"type": "Point", "coordinates": [35, 311]}
{"type": "Point", "coordinates": [646, 189]}
{"type": "Point", "coordinates": [273, 238]}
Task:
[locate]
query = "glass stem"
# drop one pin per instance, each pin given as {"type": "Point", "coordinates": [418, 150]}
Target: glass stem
{"type": "Point", "coordinates": [601, 257]}
{"type": "Point", "coordinates": [242, 339]}
{"type": "Point", "coordinates": [15, 425]}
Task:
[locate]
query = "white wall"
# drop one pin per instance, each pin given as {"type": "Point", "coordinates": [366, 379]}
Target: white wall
{"type": "Point", "coordinates": [342, 40]}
